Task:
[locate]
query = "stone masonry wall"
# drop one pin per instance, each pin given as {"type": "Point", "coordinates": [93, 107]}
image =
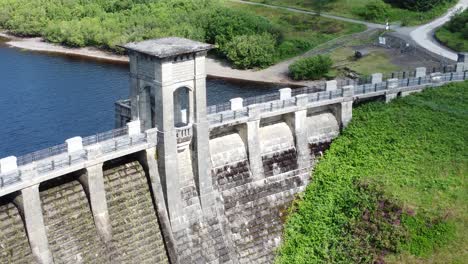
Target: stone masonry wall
{"type": "Point", "coordinates": [255, 211]}
{"type": "Point", "coordinates": [14, 245]}
{"type": "Point", "coordinates": [136, 233]}
{"type": "Point", "coordinates": [69, 222]}
{"type": "Point", "coordinates": [231, 175]}
{"type": "Point", "coordinates": [279, 162]}
{"type": "Point", "coordinates": [204, 241]}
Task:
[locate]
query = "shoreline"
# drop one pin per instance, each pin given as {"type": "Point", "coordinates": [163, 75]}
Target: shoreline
{"type": "Point", "coordinates": [214, 68]}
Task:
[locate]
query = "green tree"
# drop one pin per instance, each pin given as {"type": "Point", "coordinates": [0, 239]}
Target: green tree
{"type": "Point", "coordinates": [375, 10]}
{"type": "Point", "coordinates": [312, 68]}
{"type": "Point", "coordinates": [248, 51]}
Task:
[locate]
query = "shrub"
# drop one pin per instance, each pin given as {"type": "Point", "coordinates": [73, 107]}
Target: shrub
{"type": "Point", "coordinates": [224, 24]}
{"type": "Point", "coordinates": [248, 51]}
{"type": "Point", "coordinates": [454, 34]}
{"type": "Point", "coordinates": [292, 47]}
{"type": "Point", "coordinates": [375, 10]}
{"type": "Point", "coordinates": [459, 23]}
{"type": "Point", "coordinates": [310, 68]}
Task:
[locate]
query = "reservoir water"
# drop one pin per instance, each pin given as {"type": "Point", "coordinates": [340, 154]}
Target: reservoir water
{"type": "Point", "coordinates": [46, 99]}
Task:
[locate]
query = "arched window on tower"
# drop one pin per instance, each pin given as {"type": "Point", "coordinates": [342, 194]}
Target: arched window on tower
{"type": "Point", "coordinates": [182, 107]}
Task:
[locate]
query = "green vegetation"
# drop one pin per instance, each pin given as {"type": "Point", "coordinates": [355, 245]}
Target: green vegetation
{"type": "Point", "coordinates": [298, 33]}
{"type": "Point", "coordinates": [454, 34]}
{"type": "Point", "coordinates": [311, 68]}
{"type": "Point", "coordinates": [408, 12]}
{"type": "Point", "coordinates": [376, 61]}
{"type": "Point", "coordinates": [392, 187]}
{"type": "Point", "coordinates": [247, 51]}
{"type": "Point", "coordinates": [107, 24]}
{"type": "Point", "coordinates": [416, 5]}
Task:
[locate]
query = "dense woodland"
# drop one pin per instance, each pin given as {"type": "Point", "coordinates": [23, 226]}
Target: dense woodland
{"type": "Point", "coordinates": [246, 39]}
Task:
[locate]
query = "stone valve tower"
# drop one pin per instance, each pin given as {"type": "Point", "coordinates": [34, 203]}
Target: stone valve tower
{"type": "Point", "coordinates": [168, 92]}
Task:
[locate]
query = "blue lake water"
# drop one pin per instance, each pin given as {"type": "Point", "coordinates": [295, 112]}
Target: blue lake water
{"type": "Point", "coordinates": [45, 98]}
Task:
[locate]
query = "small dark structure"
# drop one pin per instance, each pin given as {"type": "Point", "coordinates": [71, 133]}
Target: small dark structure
{"type": "Point", "coordinates": [462, 57]}
{"type": "Point", "coordinates": [358, 54]}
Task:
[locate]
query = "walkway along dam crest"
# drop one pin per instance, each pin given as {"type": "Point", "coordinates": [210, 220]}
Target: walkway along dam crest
{"type": "Point", "coordinates": [177, 181]}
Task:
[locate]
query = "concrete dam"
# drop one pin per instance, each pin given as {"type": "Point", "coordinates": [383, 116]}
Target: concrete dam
{"type": "Point", "coordinates": [177, 181]}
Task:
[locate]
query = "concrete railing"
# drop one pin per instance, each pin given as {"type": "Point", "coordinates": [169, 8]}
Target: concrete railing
{"type": "Point", "coordinates": [377, 87]}
{"type": "Point", "coordinates": [75, 152]}
{"type": "Point", "coordinates": [78, 151]}
{"type": "Point", "coordinates": [184, 134]}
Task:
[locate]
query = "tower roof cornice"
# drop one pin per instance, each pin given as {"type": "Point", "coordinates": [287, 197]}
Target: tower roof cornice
{"type": "Point", "coordinates": [167, 47]}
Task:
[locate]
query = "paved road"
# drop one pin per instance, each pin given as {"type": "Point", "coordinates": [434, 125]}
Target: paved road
{"type": "Point", "coordinates": [424, 35]}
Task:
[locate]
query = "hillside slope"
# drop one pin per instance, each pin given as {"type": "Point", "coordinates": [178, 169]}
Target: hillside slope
{"type": "Point", "coordinates": [392, 188]}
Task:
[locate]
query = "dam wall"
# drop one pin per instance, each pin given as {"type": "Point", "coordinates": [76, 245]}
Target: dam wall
{"type": "Point", "coordinates": [180, 182]}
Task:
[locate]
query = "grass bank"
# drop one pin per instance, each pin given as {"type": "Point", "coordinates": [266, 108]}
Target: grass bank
{"type": "Point", "coordinates": [353, 8]}
{"type": "Point", "coordinates": [454, 34]}
{"type": "Point", "coordinates": [392, 187]}
{"type": "Point", "coordinates": [377, 61]}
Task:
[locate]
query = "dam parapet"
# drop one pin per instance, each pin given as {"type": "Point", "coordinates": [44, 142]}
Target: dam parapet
{"type": "Point", "coordinates": [199, 184]}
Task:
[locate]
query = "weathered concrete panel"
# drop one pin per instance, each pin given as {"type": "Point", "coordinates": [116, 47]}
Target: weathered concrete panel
{"type": "Point", "coordinates": [227, 149]}
{"type": "Point", "coordinates": [322, 126]}
{"type": "Point", "coordinates": [275, 137]}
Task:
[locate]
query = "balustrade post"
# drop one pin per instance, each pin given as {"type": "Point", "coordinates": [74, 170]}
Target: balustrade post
{"type": "Point", "coordinates": [377, 78]}
{"type": "Point", "coordinates": [331, 85]}
{"type": "Point", "coordinates": [285, 93]}
{"type": "Point", "coordinates": [134, 128]}
{"type": "Point", "coordinates": [237, 103]}
{"type": "Point", "coordinates": [8, 165]}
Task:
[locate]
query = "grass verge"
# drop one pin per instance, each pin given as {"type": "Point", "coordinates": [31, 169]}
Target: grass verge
{"type": "Point", "coordinates": [376, 61]}
{"type": "Point", "coordinates": [391, 188]}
